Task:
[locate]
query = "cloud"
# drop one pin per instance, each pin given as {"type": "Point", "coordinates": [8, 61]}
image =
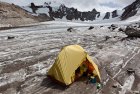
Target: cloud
{"type": "Point", "coordinates": [83, 5]}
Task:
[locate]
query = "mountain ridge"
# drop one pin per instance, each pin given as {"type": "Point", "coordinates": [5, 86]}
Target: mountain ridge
{"type": "Point", "coordinates": [70, 13]}
{"type": "Point", "coordinates": [61, 11]}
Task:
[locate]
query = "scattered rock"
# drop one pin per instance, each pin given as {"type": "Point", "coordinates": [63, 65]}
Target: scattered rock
{"type": "Point", "coordinates": [70, 29]}
{"type": "Point", "coordinates": [113, 25]}
{"type": "Point", "coordinates": [113, 28]}
{"type": "Point", "coordinates": [109, 27]}
{"type": "Point", "coordinates": [101, 26]}
{"type": "Point", "coordinates": [107, 37]}
{"type": "Point", "coordinates": [91, 27]}
{"type": "Point", "coordinates": [10, 37]}
{"type": "Point", "coordinates": [120, 29]}
{"type": "Point", "coordinates": [130, 71]}
{"type": "Point", "coordinates": [115, 86]}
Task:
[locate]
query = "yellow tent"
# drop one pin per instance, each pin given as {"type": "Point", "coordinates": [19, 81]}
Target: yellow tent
{"type": "Point", "coordinates": [68, 60]}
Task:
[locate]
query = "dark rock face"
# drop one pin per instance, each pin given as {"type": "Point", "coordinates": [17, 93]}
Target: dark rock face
{"type": "Point", "coordinates": [130, 10]}
{"type": "Point", "coordinates": [69, 13]}
{"type": "Point", "coordinates": [114, 14]}
{"type": "Point", "coordinates": [107, 15]}
{"type": "Point", "coordinates": [132, 33]}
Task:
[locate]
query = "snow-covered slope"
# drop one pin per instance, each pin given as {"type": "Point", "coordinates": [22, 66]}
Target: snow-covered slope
{"type": "Point", "coordinates": [59, 11]}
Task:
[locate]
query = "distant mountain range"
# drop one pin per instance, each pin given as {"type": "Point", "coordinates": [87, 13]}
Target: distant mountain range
{"type": "Point", "coordinates": [14, 15]}
{"type": "Point", "coordinates": [60, 11]}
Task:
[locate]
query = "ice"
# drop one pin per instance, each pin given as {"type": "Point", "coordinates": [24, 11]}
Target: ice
{"type": "Point", "coordinates": [127, 85]}
{"type": "Point", "coordinates": [29, 56]}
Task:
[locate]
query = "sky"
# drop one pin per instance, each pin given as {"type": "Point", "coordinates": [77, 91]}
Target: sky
{"type": "Point", "coordinates": [82, 5]}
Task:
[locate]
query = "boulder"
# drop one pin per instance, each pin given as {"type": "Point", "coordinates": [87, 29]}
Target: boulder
{"type": "Point", "coordinates": [109, 27]}
{"type": "Point", "coordinates": [130, 71]}
{"type": "Point", "coordinates": [113, 28]}
{"type": "Point", "coordinates": [70, 29]}
{"type": "Point", "coordinates": [113, 25]}
{"type": "Point", "coordinates": [10, 37]}
{"type": "Point", "coordinates": [132, 33]}
{"type": "Point", "coordinates": [91, 27]}
{"type": "Point", "coordinates": [107, 37]}
{"type": "Point", "coordinates": [120, 29]}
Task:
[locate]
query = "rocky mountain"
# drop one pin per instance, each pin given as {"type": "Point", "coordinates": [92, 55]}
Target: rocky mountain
{"type": "Point", "coordinates": [131, 10]}
{"type": "Point", "coordinates": [63, 12]}
{"type": "Point", "coordinates": [13, 15]}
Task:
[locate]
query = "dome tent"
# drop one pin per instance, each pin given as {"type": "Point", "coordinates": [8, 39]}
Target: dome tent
{"type": "Point", "coordinates": [67, 62]}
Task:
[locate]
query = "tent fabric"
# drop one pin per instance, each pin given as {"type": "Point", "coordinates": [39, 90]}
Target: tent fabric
{"type": "Point", "coordinates": [68, 60]}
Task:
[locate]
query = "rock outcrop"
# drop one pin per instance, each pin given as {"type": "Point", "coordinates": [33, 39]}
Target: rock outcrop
{"type": "Point", "coordinates": [131, 10]}
{"type": "Point", "coordinates": [107, 15]}
{"type": "Point", "coordinates": [114, 14]}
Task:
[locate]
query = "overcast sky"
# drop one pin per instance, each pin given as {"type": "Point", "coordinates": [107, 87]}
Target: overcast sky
{"type": "Point", "coordinates": [83, 5]}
